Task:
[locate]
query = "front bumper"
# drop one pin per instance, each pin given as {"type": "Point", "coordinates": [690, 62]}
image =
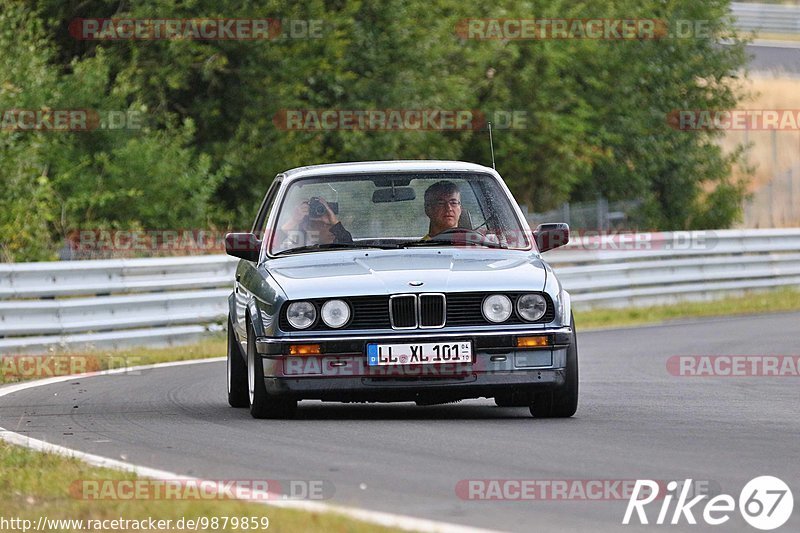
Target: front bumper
{"type": "Point", "coordinates": [341, 372]}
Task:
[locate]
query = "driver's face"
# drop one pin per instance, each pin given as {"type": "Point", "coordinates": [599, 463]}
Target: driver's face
{"type": "Point", "coordinates": [445, 210]}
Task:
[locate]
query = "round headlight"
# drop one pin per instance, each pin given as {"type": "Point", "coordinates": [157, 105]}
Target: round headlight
{"type": "Point", "coordinates": [335, 313]}
{"type": "Point", "coordinates": [497, 308]}
{"type": "Point", "coordinates": [301, 314]}
{"type": "Point", "coordinates": [531, 307]}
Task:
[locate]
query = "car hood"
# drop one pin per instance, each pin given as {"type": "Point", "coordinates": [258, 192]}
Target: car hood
{"type": "Point", "coordinates": [374, 272]}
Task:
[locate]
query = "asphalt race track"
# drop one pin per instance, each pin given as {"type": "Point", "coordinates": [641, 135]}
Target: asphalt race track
{"type": "Point", "coordinates": [635, 420]}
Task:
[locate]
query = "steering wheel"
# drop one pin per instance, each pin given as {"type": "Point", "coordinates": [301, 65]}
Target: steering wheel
{"type": "Point", "coordinates": [458, 231]}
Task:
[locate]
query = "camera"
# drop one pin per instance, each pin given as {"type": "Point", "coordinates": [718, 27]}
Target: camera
{"type": "Point", "coordinates": [316, 209]}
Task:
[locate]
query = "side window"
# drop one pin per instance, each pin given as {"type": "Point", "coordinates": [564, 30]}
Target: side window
{"type": "Point", "coordinates": [266, 207]}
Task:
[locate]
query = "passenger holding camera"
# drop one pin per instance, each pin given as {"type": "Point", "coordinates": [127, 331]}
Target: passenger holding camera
{"type": "Point", "coordinates": [315, 221]}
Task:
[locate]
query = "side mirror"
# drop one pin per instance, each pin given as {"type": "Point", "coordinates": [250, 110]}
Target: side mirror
{"type": "Point", "coordinates": [549, 236]}
{"type": "Point", "coordinates": [242, 245]}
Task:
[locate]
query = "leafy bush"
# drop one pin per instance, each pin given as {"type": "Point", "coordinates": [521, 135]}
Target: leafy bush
{"type": "Point", "coordinates": [208, 148]}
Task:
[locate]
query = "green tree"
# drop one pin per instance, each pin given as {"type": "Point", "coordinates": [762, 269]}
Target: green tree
{"type": "Point", "coordinates": [595, 110]}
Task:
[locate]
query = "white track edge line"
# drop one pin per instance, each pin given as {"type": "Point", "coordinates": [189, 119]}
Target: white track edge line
{"type": "Point", "coordinates": [408, 523]}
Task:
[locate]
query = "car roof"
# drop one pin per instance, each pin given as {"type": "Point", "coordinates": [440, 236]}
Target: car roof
{"type": "Point", "coordinates": [381, 167]}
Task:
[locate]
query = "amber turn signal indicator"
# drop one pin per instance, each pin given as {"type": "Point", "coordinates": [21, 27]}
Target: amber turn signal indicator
{"type": "Point", "coordinates": [533, 342]}
{"type": "Point", "coordinates": [305, 349]}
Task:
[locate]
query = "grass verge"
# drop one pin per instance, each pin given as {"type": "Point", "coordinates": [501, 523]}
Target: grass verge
{"type": "Point", "coordinates": [34, 485]}
{"type": "Point", "coordinates": [756, 303]}
{"type": "Point", "coordinates": [213, 346]}
{"type": "Point", "coordinates": [21, 368]}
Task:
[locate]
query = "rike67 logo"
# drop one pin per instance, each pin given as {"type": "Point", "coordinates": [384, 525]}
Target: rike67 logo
{"type": "Point", "coordinates": [765, 503]}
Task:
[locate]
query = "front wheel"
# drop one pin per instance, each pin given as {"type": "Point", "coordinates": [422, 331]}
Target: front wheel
{"type": "Point", "coordinates": [561, 402]}
{"type": "Point", "coordinates": [262, 404]}
{"type": "Point", "coordinates": [237, 371]}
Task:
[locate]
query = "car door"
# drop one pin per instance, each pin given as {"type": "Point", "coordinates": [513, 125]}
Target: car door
{"type": "Point", "coordinates": [248, 270]}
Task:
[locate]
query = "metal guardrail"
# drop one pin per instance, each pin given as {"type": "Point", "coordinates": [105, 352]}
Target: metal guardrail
{"type": "Point", "coordinates": [671, 267]}
{"type": "Point", "coordinates": [134, 302]}
{"type": "Point", "coordinates": [114, 303]}
{"type": "Point", "coordinates": [767, 18]}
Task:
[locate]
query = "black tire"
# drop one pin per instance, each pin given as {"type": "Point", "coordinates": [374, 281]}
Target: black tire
{"type": "Point", "coordinates": [237, 372]}
{"type": "Point", "coordinates": [513, 399]}
{"type": "Point", "coordinates": [508, 400]}
{"type": "Point", "coordinates": [262, 404]}
{"type": "Point", "coordinates": [503, 401]}
{"type": "Point", "coordinates": [561, 402]}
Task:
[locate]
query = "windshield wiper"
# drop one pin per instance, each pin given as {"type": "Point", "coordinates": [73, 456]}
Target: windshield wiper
{"type": "Point", "coordinates": [334, 246]}
{"type": "Point", "coordinates": [459, 242]}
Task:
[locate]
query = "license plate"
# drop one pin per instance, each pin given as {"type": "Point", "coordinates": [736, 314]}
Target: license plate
{"type": "Point", "coordinates": [419, 353]}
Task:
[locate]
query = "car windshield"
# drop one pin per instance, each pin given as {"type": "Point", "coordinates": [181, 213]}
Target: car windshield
{"type": "Point", "coordinates": [396, 211]}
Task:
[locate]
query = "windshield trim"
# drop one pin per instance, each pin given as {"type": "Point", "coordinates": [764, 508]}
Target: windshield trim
{"type": "Point", "coordinates": [267, 254]}
{"type": "Point", "coordinates": [331, 247]}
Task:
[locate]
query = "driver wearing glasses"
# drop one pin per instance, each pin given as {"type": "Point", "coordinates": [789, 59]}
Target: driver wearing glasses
{"type": "Point", "coordinates": [443, 207]}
